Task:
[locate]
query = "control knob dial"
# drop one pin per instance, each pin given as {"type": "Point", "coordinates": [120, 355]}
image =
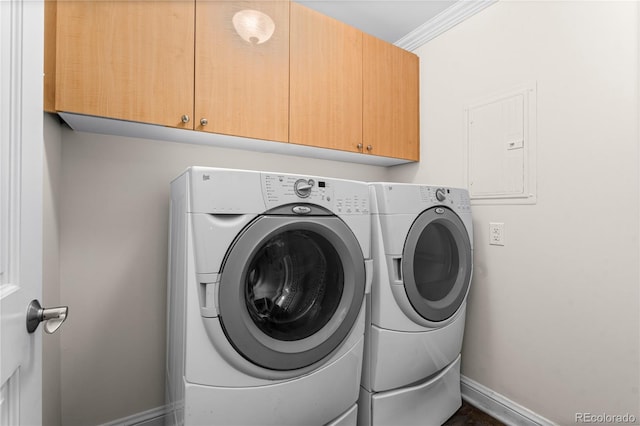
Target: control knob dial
{"type": "Point", "coordinates": [303, 187]}
{"type": "Point", "coordinates": [440, 195]}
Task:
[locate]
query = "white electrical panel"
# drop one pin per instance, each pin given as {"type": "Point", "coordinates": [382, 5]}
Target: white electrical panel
{"type": "Point", "coordinates": [501, 147]}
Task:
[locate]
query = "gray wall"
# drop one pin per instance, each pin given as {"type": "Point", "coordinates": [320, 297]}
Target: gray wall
{"type": "Point", "coordinates": [114, 207]}
{"type": "Point", "coordinates": [553, 317]}
{"type": "Point", "coordinates": [51, 401]}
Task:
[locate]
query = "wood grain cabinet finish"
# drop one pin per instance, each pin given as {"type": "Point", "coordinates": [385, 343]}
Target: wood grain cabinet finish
{"type": "Point", "coordinates": [391, 100]}
{"type": "Point", "coordinates": [129, 60]}
{"type": "Point", "coordinates": [49, 98]}
{"type": "Point", "coordinates": [326, 82]}
{"type": "Point", "coordinates": [241, 87]}
{"type": "Point", "coordinates": [181, 63]}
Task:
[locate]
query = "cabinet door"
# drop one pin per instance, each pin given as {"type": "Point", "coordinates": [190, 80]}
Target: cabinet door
{"type": "Point", "coordinates": [391, 100]}
{"type": "Point", "coordinates": [326, 81]}
{"type": "Point", "coordinates": [130, 60]}
{"type": "Point", "coordinates": [49, 88]}
{"type": "Point", "coordinates": [242, 86]}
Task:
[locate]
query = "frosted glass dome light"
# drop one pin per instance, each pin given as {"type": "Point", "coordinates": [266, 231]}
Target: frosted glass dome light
{"type": "Point", "coordinates": [253, 26]}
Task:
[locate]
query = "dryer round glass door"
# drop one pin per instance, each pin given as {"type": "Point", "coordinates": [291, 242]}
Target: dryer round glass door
{"type": "Point", "coordinates": [437, 264]}
{"type": "Point", "coordinates": [291, 290]}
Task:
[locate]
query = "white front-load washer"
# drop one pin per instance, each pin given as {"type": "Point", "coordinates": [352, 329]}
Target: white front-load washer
{"type": "Point", "coordinates": [422, 252]}
{"type": "Point", "coordinates": [267, 280]}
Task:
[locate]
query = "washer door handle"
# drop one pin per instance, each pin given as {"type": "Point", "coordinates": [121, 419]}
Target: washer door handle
{"type": "Point", "coordinates": [52, 317]}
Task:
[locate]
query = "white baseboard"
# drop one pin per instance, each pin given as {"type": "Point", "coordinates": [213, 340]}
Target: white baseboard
{"type": "Point", "coordinates": [498, 406]}
{"type": "Point", "coordinates": [492, 403]}
{"type": "Point", "coordinates": [153, 417]}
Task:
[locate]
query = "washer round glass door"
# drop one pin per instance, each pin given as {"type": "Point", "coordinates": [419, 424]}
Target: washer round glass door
{"type": "Point", "coordinates": [437, 264]}
{"type": "Point", "coordinates": [291, 290]}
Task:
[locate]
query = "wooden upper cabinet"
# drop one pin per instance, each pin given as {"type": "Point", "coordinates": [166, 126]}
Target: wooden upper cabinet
{"type": "Point", "coordinates": [130, 60]}
{"type": "Point", "coordinates": [391, 100]}
{"type": "Point", "coordinates": [326, 81]}
{"type": "Point", "coordinates": [49, 100]}
{"type": "Point", "coordinates": [242, 86]}
{"type": "Point", "coordinates": [184, 63]}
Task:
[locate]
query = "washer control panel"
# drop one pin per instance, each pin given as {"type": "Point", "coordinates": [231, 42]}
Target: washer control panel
{"type": "Point", "coordinates": [285, 189]}
{"type": "Point", "coordinates": [341, 197]}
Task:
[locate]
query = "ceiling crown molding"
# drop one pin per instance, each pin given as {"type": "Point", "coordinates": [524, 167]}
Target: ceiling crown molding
{"type": "Point", "coordinates": [444, 21]}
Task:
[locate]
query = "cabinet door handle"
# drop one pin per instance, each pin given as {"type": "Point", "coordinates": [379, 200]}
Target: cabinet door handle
{"type": "Point", "coordinates": [204, 121]}
{"type": "Point", "coordinates": [185, 118]}
{"type": "Point", "coordinates": [369, 148]}
{"type": "Point", "coordinates": [359, 147]}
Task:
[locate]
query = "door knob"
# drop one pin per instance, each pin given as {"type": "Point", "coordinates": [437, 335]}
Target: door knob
{"type": "Point", "coordinates": [52, 317]}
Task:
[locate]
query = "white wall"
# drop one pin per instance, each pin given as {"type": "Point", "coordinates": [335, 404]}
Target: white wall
{"type": "Point", "coordinates": [114, 209]}
{"type": "Point", "coordinates": [553, 320]}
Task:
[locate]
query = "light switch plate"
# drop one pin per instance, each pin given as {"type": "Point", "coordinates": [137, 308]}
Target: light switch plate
{"type": "Point", "coordinates": [496, 233]}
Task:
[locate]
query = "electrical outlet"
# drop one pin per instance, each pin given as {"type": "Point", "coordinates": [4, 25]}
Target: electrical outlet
{"type": "Point", "coordinates": [496, 234]}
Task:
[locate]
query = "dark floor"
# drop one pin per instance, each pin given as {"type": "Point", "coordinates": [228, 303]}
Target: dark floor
{"type": "Point", "coordinates": [470, 415]}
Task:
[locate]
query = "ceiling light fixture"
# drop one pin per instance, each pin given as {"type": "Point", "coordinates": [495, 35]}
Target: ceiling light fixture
{"type": "Point", "coordinates": [253, 26]}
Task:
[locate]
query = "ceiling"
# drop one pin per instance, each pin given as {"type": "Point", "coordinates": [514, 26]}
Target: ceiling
{"type": "Point", "coordinates": [385, 19]}
{"type": "Point", "coordinates": [393, 20]}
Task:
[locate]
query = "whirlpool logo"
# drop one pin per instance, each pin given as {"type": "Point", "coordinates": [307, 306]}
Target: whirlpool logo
{"type": "Point", "coordinates": [301, 209]}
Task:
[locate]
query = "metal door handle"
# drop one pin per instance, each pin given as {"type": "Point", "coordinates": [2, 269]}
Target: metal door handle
{"type": "Point", "coordinates": [52, 317]}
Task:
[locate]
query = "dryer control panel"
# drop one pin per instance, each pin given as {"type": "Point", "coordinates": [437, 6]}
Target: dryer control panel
{"type": "Point", "coordinates": [454, 197]}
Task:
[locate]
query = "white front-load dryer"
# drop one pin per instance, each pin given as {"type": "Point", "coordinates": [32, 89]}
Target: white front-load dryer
{"type": "Point", "coordinates": [267, 280]}
{"type": "Point", "coordinates": [423, 260]}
